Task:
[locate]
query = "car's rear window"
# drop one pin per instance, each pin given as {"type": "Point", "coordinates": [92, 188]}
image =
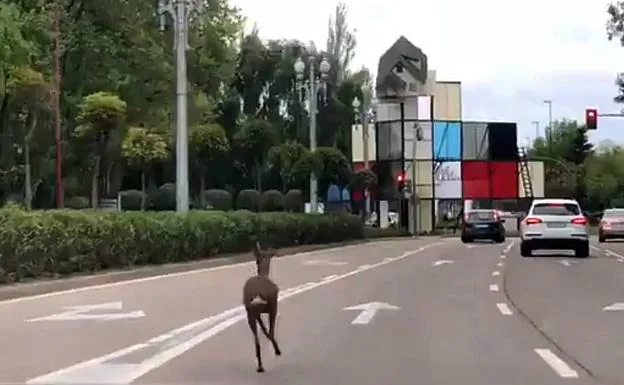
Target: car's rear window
{"type": "Point", "coordinates": [613, 214]}
{"type": "Point", "coordinates": [556, 209]}
{"type": "Point", "coordinates": [480, 216]}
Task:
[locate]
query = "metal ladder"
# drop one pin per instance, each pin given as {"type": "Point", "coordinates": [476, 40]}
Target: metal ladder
{"type": "Point", "coordinates": [525, 173]}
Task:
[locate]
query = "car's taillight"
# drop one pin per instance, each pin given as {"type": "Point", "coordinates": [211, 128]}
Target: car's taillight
{"type": "Point", "coordinates": [533, 221]}
{"type": "Point", "coordinates": [579, 221]}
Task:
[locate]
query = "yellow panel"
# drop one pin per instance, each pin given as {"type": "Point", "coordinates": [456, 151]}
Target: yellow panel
{"type": "Point", "coordinates": [447, 104]}
{"type": "Point", "coordinates": [536, 171]}
{"type": "Point", "coordinates": [357, 143]}
{"type": "Point", "coordinates": [424, 173]}
{"type": "Point", "coordinates": [425, 218]}
{"type": "Point", "coordinates": [424, 191]}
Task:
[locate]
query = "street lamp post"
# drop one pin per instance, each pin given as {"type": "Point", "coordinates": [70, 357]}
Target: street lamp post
{"type": "Point", "coordinates": [364, 114]}
{"type": "Point", "coordinates": [536, 124]}
{"type": "Point", "coordinates": [180, 12]}
{"type": "Point", "coordinates": [550, 126]}
{"type": "Point", "coordinates": [310, 89]}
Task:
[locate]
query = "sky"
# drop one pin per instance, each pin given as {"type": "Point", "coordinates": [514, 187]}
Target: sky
{"type": "Point", "coordinates": [509, 56]}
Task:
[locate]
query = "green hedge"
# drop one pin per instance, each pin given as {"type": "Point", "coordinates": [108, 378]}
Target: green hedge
{"type": "Point", "coordinates": [61, 242]}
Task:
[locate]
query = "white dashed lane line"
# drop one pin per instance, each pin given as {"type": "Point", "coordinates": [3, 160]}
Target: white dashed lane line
{"type": "Point", "coordinates": [504, 309]}
{"type": "Point", "coordinates": [495, 273]}
{"type": "Point", "coordinates": [556, 363]}
{"type": "Point", "coordinates": [494, 287]}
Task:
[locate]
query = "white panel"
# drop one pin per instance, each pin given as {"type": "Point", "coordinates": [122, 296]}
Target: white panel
{"type": "Point", "coordinates": [410, 108]}
{"type": "Point", "coordinates": [448, 184]}
{"type": "Point", "coordinates": [423, 148]}
{"type": "Point", "coordinates": [424, 107]}
{"type": "Point", "coordinates": [388, 111]}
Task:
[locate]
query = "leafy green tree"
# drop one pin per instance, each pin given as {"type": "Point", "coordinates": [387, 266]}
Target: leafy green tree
{"type": "Point", "coordinates": [142, 148]}
{"type": "Point", "coordinates": [254, 140]}
{"type": "Point", "coordinates": [336, 168]}
{"type": "Point", "coordinates": [101, 115]}
{"type": "Point", "coordinates": [209, 147]}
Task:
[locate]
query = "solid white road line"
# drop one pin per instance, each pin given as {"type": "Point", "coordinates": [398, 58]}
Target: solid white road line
{"type": "Point", "coordinates": [504, 309]}
{"type": "Point", "coordinates": [557, 364]}
{"type": "Point", "coordinates": [493, 287]}
{"type": "Point", "coordinates": [182, 273]}
{"type": "Point", "coordinates": [98, 372]}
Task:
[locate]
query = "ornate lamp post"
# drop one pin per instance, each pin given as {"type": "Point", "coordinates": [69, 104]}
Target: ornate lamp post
{"type": "Point", "coordinates": [311, 89]}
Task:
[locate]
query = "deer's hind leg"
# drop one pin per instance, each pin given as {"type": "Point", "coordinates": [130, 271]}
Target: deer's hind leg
{"type": "Point", "coordinates": [252, 317]}
{"type": "Point", "coordinates": [272, 318]}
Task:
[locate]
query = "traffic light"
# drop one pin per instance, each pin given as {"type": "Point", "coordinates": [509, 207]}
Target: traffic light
{"type": "Point", "coordinates": [591, 118]}
{"type": "Point", "coordinates": [401, 181]}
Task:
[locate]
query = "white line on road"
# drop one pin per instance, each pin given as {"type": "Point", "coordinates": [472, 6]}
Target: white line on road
{"type": "Point", "coordinates": [493, 287]}
{"type": "Point", "coordinates": [364, 267]}
{"type": "Point", "coordinates": [495, 273]}
{"type": "Point", "coordinates": [181, 273]}
{"type": "Point", "coordinates": [97, 371]}
{"type": "Point", "coordinates": [500, 264]}
{"type": "Point", "coordinates": [504, 309]}
{"type": "Point", "coordinates": [595, 248]}
{"type": "Point", "coordinates": [556, 363]}
{"type": "Point", "coordinates": [509, 246]}
{"type": "Point", "coordinates": [502, 256]}
{"type": "Point", "coordinates": [329, 277]}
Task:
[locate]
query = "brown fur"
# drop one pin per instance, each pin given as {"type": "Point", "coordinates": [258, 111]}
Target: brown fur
{"type": "Point", "coordinates": [260, 295]}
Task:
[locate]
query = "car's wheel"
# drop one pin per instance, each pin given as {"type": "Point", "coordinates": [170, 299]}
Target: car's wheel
{"type": "Point", "coordinates": [466, 239]}
{"type": "Point", "coordinates": [525, 250]}
{"type": "Point", "coordinates": [582, 251]}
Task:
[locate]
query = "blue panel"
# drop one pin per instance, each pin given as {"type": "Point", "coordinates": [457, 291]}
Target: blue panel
{"type": "Point", "coordinates": [447, 141]}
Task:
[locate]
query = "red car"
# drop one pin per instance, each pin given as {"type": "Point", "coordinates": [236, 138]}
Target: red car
{"type": "Point", "coordinates": [611, 225]}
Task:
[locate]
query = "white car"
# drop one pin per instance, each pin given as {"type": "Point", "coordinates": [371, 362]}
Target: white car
{"type": "Point", "coordinates": [554, 224]}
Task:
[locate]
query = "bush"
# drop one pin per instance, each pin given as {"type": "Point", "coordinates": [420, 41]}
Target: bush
{"type": "Point", "coordinates": [130, 200]}
{"type": "Point", "coordinates": [218, 200]}
{"type": "Point", "coordinates": [293, 201]}
{"type": "Point", "coordinates": [61, 242]}
{"type": "Point", "coordinates": [78, 203]}
{"type": "Point", "coordinates": [163, 198]}
{"type": "Point", "coordinates": [272, 200]}
{"type": "Point", "coordinates": [248, 200]}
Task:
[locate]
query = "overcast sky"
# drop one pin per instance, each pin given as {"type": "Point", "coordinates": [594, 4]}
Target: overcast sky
{"type": "Point", "coordinates": [509, 56]}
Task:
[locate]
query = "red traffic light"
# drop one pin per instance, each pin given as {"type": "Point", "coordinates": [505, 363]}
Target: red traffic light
{"type": "Point", "coordinates": [591, 118]}
{"type": "Point", "coordinates": [401, 181]}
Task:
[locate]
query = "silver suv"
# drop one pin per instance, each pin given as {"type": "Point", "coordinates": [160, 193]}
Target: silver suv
{"type": "Point", "coordinates": [554, 224]}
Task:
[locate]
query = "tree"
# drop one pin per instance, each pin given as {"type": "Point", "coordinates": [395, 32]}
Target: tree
{"type": "Point", "coordinates": [209, 147]}
{"type": "Point", "coordinates": [336, 168]}
{"type": "Point", "coordinates": [101, 114]}
{"type": "Point", "coordinates": [341, 42]}
{"type": "Point", "coordinates": [289, 159]}
{"type": "Point", "coordinates": [141, 148]}
{"type": "Point", "coordinates": [254, 140]}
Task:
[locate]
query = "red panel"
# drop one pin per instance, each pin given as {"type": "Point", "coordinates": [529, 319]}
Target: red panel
{"type": "Point", "coordinates": [504, 180]}
{"type": "Point", "coordinates": [476, 180]}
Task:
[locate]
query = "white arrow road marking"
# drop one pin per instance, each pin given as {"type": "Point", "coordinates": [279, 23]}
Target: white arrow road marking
{"type": "Point", "coordinates": [368, 311]}
{"type": "Point", "coordinates": [442, 262]}
{"type": "Point", "coordinates": [79, 313]}
{"type": "Point", "coordinates": [618, 306]}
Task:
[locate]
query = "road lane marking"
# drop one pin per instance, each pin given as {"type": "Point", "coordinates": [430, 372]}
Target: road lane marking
{"type": "Point", "coordinates": [502, 256]}
{"type": "Point", "coordinates": [556, 363]}
{"type": "Point", "coordinates": [495, 273]}
{"type": "Point", "coordinates": [500, 264]}
{"type": "Point", "coordinates": [98, 372]}
{"type": "Point", "coordinates": [504, 309]}
{"type": "Point", "coordinates": [509, 246]}
{"type": "Point", "coordinates": [493, 287]}
{"type": "Point", "coordinates": [184, 273]}
{"type": "Point", "coordinates": [362, 267]}
{"type": "Point", "coordinates": [329, 277]}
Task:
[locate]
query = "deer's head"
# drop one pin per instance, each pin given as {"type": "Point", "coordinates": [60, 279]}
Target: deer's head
{"type": "Point", "coordinates": [263, 259]}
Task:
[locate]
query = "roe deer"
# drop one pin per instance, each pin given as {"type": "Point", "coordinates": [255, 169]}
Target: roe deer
{"type": "Point", "coordinates": [260, 296]}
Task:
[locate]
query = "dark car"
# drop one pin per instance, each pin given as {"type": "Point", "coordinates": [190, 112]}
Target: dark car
{"type": "Point", "coordinates": [482, 224]}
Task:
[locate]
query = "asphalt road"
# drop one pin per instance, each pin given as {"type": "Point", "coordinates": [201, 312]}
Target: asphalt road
{"type": "Point", "coordinates": [445, 319]}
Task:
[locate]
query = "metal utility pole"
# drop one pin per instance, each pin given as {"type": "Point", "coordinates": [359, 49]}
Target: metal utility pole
{"type": "Point", "coordinates": [550, 126]}
{"type": "Point", "coordinates": [60, 190]}
{"type": "Point", "coordinates": [537, 132]}
{"type": "Point", "coordinates": [311, 88]}
{"type": "Point", "coordinates": [180, 11]}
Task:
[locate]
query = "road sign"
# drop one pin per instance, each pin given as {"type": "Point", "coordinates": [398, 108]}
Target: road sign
{"type": "Point", "coordinates": [368, 311]}
{"type": "Point", "coordinates": [442, 262]}
{"type": "Point", "coordinates": [618, 306]}
{"type": "Point", "coordinates": [90, 312]}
